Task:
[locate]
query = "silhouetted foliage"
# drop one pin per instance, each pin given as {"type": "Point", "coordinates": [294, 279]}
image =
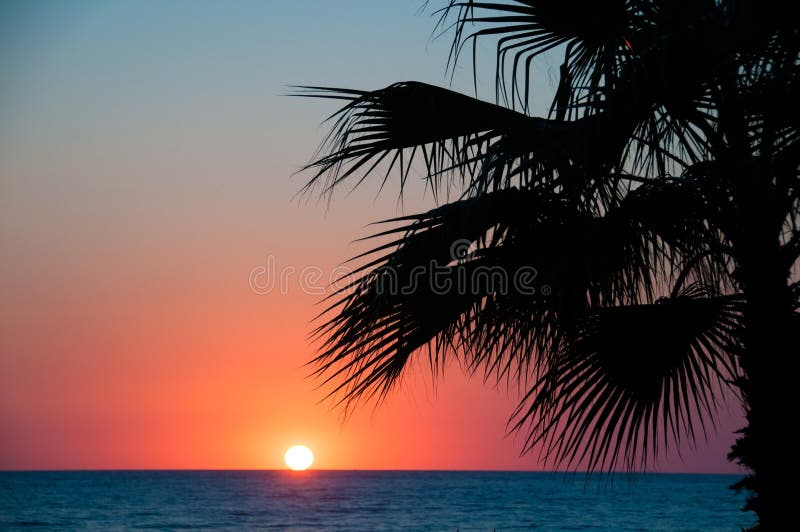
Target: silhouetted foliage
{"type": "Point", "coordinates": [658, 203]}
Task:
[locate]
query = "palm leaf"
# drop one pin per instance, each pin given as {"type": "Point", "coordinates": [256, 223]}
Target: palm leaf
{"type": "Point", "coordinates": [635, 379]}
{"type": "Point", "coordinates": [379, 320]}
{"type": "Point", "coordinates": [488, 146]}
{"type": "Point", "coordinates": [592, 33]}
{"type": "Point", "coordinates": [449, 130]}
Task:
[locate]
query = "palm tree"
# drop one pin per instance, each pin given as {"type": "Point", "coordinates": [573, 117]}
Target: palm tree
{"type": "Point", "coordinates": [657, 202]}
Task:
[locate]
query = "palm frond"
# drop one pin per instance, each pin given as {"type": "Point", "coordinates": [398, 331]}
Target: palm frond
{"type": "Point", "coordinates": [450, 131]}
{"type": "Point", "coordinates": [592, 33]}
{"type": "Point", "coordinates": [636, 379]}
{"type": "Point", "coordinates": [417, 293]}
{"type": "Point", "coordinates": [415, 290]}
{"type": "Point", "coordinates": [487, 147]}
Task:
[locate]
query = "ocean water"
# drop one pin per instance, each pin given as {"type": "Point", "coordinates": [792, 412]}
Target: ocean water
{"type": "Point", "coordinates": [366, 500]}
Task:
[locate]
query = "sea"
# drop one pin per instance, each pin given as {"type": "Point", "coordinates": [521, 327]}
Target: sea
{"type": "Point", "coordinates": [367, 500]}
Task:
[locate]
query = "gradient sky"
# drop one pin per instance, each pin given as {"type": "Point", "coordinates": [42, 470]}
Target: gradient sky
{"type": "Point", "coordinates": [146, 154]}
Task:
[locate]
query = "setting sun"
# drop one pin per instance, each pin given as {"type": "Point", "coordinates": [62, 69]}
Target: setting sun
{"type": "Point", "coordinates": [299, 457]}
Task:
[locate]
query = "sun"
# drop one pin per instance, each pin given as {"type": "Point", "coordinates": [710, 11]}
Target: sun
{"type": "Point", "coordinates": [299, 457]}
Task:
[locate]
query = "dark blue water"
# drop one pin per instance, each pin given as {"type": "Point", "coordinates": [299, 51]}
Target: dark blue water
{"type": "Point", "coordinates": [365, 500]}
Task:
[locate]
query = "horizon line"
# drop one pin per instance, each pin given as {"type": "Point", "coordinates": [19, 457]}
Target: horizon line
{"type": "Point", "coordinates": [376, 470]}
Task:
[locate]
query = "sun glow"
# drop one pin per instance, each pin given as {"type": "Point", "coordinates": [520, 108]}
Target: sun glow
{"type": "Point", "coordinates": [299, 457]}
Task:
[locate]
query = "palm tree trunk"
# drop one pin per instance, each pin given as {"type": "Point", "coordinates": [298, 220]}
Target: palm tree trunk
{"type": "Point", "coordinates": [769, 388]}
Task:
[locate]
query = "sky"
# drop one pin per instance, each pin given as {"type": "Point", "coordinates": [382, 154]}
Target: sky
{"type": "Point", "coordinates": [148, 159]}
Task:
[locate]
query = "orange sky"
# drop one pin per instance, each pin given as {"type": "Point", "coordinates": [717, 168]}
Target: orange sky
{"type": "Point", "coordinates": [145, 174]}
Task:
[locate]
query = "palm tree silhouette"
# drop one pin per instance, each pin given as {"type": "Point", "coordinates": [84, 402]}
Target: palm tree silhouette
{"type": "Point", "coordinates": [658, 204]}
